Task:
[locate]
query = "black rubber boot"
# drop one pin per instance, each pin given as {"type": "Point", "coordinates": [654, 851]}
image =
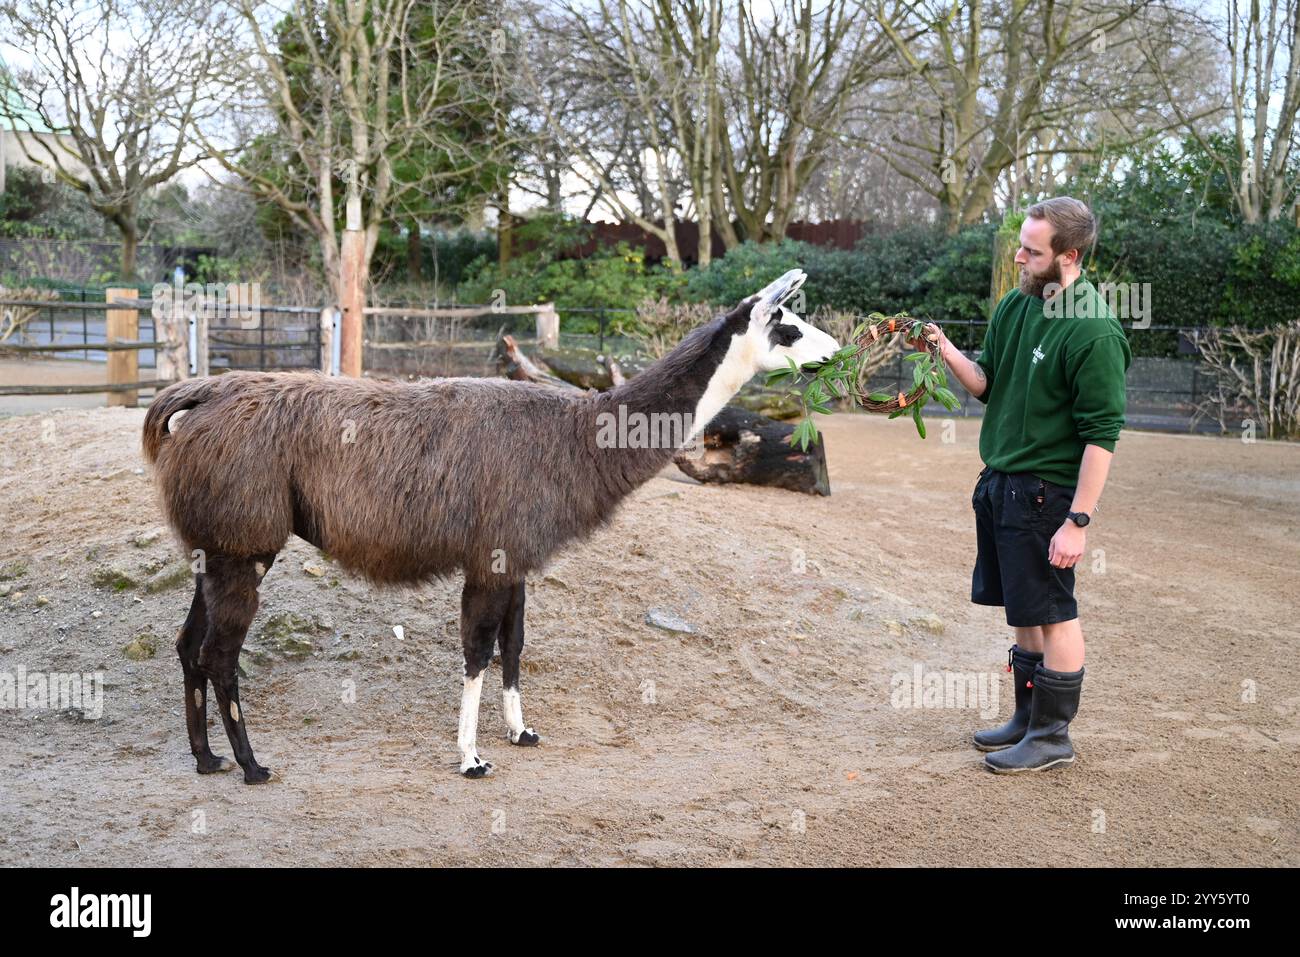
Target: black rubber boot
{"type": "Point", "coordinates": [1022, 664]}
{"type": "Point", "coordinates": [1047, 741]}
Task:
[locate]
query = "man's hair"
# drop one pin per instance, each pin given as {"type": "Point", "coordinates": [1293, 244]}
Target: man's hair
{"type": "Point", "coordinates": [1073, 225]}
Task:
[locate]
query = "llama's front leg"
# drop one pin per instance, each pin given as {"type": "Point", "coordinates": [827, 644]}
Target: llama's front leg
{"type": "Point", "coordinates": [481, 613]}
{"type": "Point", "coordinates": [512, 645]}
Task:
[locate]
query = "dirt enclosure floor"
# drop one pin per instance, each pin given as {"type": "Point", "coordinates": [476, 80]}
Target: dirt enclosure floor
{"type": "Point", "coordinates": [774, 734]}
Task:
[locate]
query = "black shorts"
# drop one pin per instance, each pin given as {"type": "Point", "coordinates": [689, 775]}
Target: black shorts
{"type": "Point", "coordinates": [1016, 515]}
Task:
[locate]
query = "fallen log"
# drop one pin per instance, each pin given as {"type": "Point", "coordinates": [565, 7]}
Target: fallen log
{"type": "Point", "coordinates": [588, 369]}
{"type": "Point", "coordinates": [737, 445]}
{"type": "Point", "coordinates": [580, 367]}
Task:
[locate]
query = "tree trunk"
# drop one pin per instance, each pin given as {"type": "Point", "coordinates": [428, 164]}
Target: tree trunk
{"type": "Point", "coordinates": [414, 252]}
{"type": "Point", "coordinates": [505, 227]}
{"type": "Point", "coordinates": [130, 245]}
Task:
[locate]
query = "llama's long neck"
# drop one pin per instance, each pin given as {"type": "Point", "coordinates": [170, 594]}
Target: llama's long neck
{"type": "Point", "coordinates": [677, 396]}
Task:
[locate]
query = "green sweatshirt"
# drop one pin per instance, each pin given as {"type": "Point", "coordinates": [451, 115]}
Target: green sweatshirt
{"type": "Point", "coordinates": [1055, 382]}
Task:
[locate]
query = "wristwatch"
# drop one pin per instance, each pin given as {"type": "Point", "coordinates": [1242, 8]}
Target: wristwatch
{"type": "Point", "coordinates": [1080, 518]}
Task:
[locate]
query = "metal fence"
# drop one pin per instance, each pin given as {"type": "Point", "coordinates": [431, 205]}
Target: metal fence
{"type": "Point", "coordinates": [1163, 390]}
{"type": "Point", "coordinates": [76, 321]}
{"type": "Point", "coordinates": [290, 340]}
{"type": "Point", "coordinates": [64, 348]}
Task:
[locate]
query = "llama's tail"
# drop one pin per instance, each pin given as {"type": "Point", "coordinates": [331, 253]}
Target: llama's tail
{"type": "Point", "coordinates": [175, 398]}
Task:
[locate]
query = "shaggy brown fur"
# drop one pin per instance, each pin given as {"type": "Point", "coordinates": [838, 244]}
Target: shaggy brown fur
{"type": "Point", "coordinates": [403, 482]}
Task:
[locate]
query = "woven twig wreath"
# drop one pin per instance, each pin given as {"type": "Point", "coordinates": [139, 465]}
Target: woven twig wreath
{"type": "Point", "coordinates": [878, 332]}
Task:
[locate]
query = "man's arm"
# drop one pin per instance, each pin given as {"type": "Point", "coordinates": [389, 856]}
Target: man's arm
{"type": "Point", "coordinates": [1092, 478]}
{"type": "Point", "coordinates": [1097, 373]}
{"type": "Point", "coordinates": [1070, 541]}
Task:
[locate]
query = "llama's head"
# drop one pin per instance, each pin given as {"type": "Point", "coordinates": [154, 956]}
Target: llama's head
{"type": "Point", "coordinates": [777, 335]}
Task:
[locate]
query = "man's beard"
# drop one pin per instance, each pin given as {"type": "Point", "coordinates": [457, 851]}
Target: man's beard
{"type": "Point", "coordinates": [1032, 285]}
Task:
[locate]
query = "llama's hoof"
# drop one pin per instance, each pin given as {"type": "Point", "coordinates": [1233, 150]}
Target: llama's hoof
{"type": "Point", "coordinates": [476, 768]}
{"type": "Point", "coordinates": [258, 775]}
{"type": "Point", "coordinates": [527, 738]}
{"type": "Point", "coordinates": [211, 764]}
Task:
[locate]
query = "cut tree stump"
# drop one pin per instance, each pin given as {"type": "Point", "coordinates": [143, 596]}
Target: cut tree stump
{"type": "Point", "coordinates": [737, 445]}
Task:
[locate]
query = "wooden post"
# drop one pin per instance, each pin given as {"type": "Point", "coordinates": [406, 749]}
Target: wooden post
{"type": "Point", "coordinates": [173, 333]}
{"type": "Point", "coordinates": [548, 326]}
{"type": "Point", "coordinates": [327, 340]}
{"type": "Point", "coordinates": [353, 302]}
{"type": "Point", "coordinates": [123, 325]}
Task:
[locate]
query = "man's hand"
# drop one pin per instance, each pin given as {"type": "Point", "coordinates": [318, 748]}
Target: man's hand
{"type": "Point", "coordinates": [932, 333]}
{"type": "Point", "coordinates": [1067, 545]}
{"type": "Point", "coordinates": [968, 373]}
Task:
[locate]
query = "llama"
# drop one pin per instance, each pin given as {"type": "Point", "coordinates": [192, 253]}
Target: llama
{"type": "Point", "coordinates": [405, 482]}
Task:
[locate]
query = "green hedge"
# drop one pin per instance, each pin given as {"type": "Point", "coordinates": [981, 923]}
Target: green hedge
{"type": "Point", "coordinates": [1201, 273]}
{"type": "Point", "coordinates": [918, 271]}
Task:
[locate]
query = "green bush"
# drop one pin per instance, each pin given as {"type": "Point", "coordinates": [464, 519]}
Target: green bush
{"type": "Point", "coordinates": [918, 271]}
{"type": "Point", "coordinates": [447, 254]}
{"type": "Point", "coordinates": [617, 278]}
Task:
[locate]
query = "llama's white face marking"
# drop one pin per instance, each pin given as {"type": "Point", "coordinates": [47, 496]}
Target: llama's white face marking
{"type": "Point", "coordinates": [771, 337]}
{"type": "Point", "coordinates": [735, 369]}
{"type": "Point", "coordinates": [234, 710]}
{"type": "Point", "coordinates": [785, 336]}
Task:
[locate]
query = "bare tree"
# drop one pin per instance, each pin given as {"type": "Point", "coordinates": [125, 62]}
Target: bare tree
{"type": "Point", "coordinates": [1261, 45]}
{"type": "Point", "coordinates": [602, 83]}
{"type": "Point", "coordinates": [373, 104]}
{"type": "Point", "coordinates": [991, 90]}
{"type": "Point", "coordinates": [785, 92]}
{"type": "Point", "coordinates": [857, 184]}
{"type": "Point", "coordinates": [732, 110]}
{"type": "Point", "coordinates": [122, 85]}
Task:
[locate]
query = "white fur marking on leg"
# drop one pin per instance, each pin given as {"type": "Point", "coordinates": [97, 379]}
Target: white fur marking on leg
{"type": "Point", "coordinates": [466, 736]}
{"type": "Point", "coordinates": [513, 706]}
{"type": "Point", "coordinates": [234, 710]}
{"type": "Point", "coordinates": [198, 698]}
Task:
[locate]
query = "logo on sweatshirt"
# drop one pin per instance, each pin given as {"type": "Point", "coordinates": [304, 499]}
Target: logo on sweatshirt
{"type": "Point", "coordinates": [1038, 353]}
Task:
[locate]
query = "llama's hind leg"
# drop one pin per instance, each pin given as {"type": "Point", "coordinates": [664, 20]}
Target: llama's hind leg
{"type": "Point", "coordinates": [512, 645]}
{"type": "Point", "coordinates": [481, 614]}
{"type": "Point", "coordinates": [188, 643]}
{"type": "Point", "coordinates": [230, 594]}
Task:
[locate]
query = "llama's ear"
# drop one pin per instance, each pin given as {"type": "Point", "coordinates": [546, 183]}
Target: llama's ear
{"type": "Point", "coordinates": [771, 296]}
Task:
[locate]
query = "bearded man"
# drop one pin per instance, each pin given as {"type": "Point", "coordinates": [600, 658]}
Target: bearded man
{"type": "Point", "coordinates": [1051, 374]}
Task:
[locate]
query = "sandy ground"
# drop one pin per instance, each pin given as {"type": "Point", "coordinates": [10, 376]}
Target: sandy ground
{"type": "Point", "coordinates": [767, 737]}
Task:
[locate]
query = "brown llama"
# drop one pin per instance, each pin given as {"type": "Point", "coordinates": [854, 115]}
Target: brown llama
{"type": "Point", "coordinates": [404, 482]}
